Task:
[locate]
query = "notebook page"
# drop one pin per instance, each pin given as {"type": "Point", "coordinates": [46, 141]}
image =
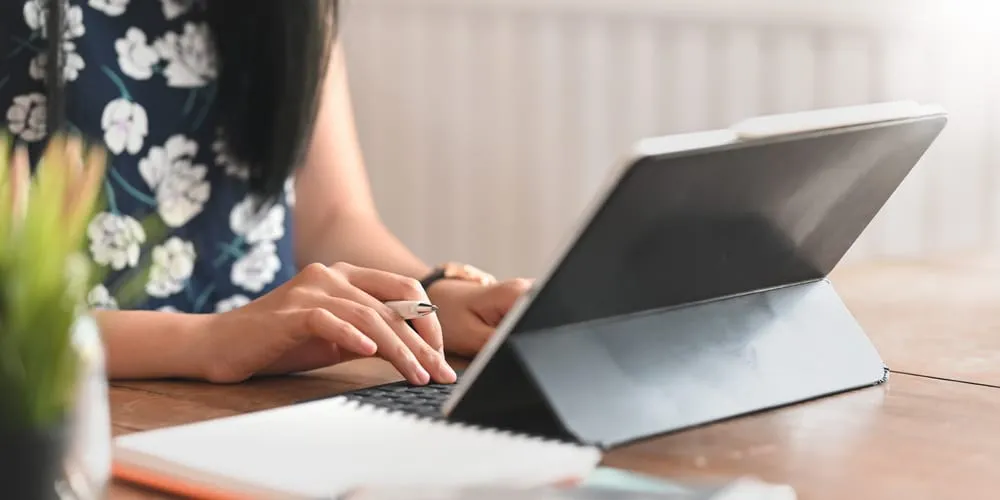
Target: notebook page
{"type": "Point", "coordinates": [330, 447]}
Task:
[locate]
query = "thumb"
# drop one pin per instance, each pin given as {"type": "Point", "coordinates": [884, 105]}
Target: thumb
{"type": "Point", "coordinates": [497, 301]}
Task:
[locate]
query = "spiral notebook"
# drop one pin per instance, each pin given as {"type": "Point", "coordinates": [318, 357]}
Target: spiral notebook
{"type": "Point", "coordinates": [332, 447]}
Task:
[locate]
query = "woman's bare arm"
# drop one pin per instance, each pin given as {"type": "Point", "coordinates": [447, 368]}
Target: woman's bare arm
{"type": "Point", "coordinates": [335, 215]}
{"type": "Point", "coordinates": [148, 344]}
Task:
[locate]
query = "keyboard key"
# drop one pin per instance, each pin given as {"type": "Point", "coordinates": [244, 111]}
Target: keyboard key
{"type": "Point", "coordinates": [420, 400]}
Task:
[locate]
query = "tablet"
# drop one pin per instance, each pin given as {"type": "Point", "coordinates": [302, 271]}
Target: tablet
{"type": "Point", "coordinates": [694, 287]}
{"type": "Point", "coordinates": [689, 219]}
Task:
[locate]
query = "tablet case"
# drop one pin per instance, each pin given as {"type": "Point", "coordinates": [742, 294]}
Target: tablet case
{"type": "Point", "coordinates": [734, 317]}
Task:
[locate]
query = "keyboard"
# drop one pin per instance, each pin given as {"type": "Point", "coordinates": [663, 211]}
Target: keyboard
{"type": "Point", "coordinates": [425, 401]}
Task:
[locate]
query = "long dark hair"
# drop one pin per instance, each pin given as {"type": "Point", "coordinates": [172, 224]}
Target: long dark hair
{"type": "Point", "coordinates": [272, 57]}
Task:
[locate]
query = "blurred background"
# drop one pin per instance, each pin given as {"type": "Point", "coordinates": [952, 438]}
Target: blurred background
{"type": "Point", "coordinates": [488, 125]}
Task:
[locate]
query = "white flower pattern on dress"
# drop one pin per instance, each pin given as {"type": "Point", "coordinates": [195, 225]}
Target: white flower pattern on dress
{"type": "Point", "coordinates": [136, 57]}
{"type": "Point", "coordinates": [26, 117]}
{"type": "Point", "coordinates": [180, 185]}
{"type": "Point", "coordinates": [257, 268]}
{"type": "Point", "coordinates": [115, 240]}
{"type": "Point", "coordinates": [71, 69]}
{"type": "Point", "coordinates": [112, 8]}
{"type": "Point", "coordinates": [73, 23]}
{"type": "Point", "coordinates": [125, 126]}
{"type": "Point", "coordinates": [254, 227]}
{"type": "Point", "coordinates": [235, 302]}
{"type": "Point", "coordinates": [290, 192]}
{"type": "Point", "coordinates": [122, 65]}
{"type": "Point", "coordinates": [100, 298]}
{"type": "Point", "coordinates": [174, 8]}
{"type": "Point", "coordinates": [36, 11]}
{"type": "Point", "coordinates": [36, 68]}
{"type": "Point", "coordinates": [190, 56]}
{"type": "Point", "coordinates": [173, 264]}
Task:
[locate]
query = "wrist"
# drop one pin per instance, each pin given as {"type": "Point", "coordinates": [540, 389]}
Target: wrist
{"type": "Point", "coordinates": [449, 281]}
{"type": "Point", "coordinates": [195, 345]}
{"type": "Point", "coordinates": [443, 291]}
{"type": "Point", "coordinates": [454, 271]}
{"type": "Point", "coordinates": [147, 344]}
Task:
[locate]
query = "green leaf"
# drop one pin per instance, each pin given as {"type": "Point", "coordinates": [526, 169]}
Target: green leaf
{"type": "Point", "coordinates": [45, 275]}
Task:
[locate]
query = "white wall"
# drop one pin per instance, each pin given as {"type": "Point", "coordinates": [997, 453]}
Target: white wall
{"type": "Point", "coordinates": [488, 124]}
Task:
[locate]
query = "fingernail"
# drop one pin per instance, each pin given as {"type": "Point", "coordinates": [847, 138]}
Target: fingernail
{"type": "Point", "coordinates": [422, 377]}
{"type": "Point", "coordinates": [449, 371]}
{"type": "Point", "coordinates": [369, 345]}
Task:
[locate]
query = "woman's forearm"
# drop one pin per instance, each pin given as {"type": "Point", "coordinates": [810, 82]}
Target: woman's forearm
{"type": "Point", "coordinates": [147, 344]}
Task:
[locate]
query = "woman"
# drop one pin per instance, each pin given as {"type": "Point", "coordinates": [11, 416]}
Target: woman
{"type": "Point", "coordinates": [229, 124]}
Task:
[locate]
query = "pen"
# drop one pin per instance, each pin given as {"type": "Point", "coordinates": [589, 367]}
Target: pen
{"type": "Point", "coordinates": [411, 309]}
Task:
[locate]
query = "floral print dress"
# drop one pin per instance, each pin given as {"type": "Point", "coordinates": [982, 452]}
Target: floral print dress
{"type": "Point", "coordinates": [140, 76]}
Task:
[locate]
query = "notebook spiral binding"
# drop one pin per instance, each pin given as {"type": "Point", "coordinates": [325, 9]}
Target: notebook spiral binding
{"type": "Point", "coordinates": [413, 417]}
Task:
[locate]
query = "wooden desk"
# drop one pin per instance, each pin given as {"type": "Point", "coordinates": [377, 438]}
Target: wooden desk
{"type": "Point", "coordinates": [936, 318]}
{"type": "Point", "coordinates": [915, 437]}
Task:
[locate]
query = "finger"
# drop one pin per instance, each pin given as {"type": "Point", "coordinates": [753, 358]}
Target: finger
{"type": "Point", "coordinates": [366, 320]}
{"type": "Point", "coordinates": [386, 286]}
{"type": "Point", "coordinates": [324, 324]}
{"type": "Point", "coordinates": [430, 323]}
{"type": "Point", "coordinates": [500, 299]}
{"type": "Point", "coordinates": [382, 285]}
{"type": "Point", "coordinates": [390, 346]}
{"type": "Point", "coordinates": [429, 356]}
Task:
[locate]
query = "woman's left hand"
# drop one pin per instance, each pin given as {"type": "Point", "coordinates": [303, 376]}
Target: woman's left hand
{"type": "Point", "coordinates": [469, 312]}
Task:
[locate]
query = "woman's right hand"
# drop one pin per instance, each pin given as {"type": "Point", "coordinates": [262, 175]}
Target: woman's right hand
{"type": "Point", "coordinates": [324, 316]}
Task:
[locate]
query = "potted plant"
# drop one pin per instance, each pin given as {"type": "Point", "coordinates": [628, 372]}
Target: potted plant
{"type": "Point", "coordinates": [44, 279]}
